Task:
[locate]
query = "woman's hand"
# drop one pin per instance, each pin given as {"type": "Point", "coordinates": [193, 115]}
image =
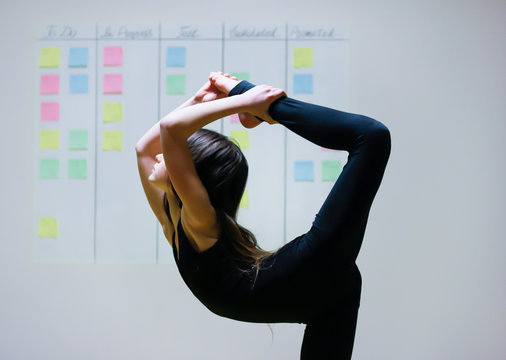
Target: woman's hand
{"type": "Point", "coordinates": [209, 91]}
{"type": "Point", "coordinates": [225, 83]}
{"type": "Point", "coordinates": [259, 98]}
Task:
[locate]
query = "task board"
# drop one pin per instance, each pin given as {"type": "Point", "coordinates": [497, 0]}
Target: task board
{"type": "Point", "coordinates": [100, 87]}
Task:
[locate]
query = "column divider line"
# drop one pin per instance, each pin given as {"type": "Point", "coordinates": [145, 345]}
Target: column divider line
{"type": "Point", "coordinates": [286, 142]}
{"type": "Point", "coordinates": [222, 125]}
{"type": "Point", "coordinates": [96, 148]}
{"type": "Point", "coordinates": [159, 115]}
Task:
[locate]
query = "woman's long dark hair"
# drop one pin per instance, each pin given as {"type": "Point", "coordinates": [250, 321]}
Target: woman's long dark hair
{"type": "Point", "coordinates": [223, 170]}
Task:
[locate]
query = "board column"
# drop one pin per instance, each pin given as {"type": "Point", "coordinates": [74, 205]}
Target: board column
{"type": "Point", "coordinates": [127, 64]}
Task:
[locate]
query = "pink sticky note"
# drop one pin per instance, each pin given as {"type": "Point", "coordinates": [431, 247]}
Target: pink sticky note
{"type": "Point", "coordinates": [326, 149]}
{"type": "Point", "coordinates": [49, 111]}
{"type": "Point", "coordinates": [113, 56]}
{"type": "Point", "coordinates": [49, 84]}
{"type": "Point", "coordinates": [234, 118]}
{"type": "Point", "coordinates": [113, 83]}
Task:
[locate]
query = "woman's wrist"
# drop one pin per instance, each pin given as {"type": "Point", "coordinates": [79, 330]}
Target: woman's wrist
{"type": "Point", "coordinates": [190, 102]}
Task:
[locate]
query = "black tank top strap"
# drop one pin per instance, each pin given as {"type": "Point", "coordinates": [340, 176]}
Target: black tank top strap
{"type": "Point", "coordinates": [174, 250]}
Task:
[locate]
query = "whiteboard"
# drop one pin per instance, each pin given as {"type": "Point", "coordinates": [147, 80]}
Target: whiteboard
{"type": "Point", "coordinates": [90, 207]}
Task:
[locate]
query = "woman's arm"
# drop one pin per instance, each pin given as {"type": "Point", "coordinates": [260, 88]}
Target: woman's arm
{"type": "Point", "coordinates": [148, 147]}
{"type": "Point", "coordinates": [175, 128]}
{"type": "Point", "coordinates": [149, 143]}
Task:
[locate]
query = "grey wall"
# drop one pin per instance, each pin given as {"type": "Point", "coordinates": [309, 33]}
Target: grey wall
{"type": "Point", "coordinates": [433, 256]}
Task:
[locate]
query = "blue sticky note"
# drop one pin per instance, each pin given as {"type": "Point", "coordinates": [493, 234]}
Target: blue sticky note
{"type": "Point", "coordinates": [176, 56]}
{"type": "Point", "coordinates": [303, 83]}
{"type": "Point", "coordinates": [78, 57]}
{"type": "Point", "coordinates": [78, 84]}
{"type": "Point", "coordinates": [303, 171]}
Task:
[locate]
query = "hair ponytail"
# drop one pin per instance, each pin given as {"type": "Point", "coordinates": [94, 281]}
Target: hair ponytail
{"type": "Point", "coordinates": [223, 170]}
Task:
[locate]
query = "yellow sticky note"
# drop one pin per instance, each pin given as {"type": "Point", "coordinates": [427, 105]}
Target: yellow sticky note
{"type": "Point", "coordinates": [244, 204]}
{"type": "Point", "coordinates": [49, 57]}
{"type": "Point", "coordinates": [303, 57]}
{"type": "Point", "coordinates": [241, 137]}
{"type": "Point", "coordinates": [49, 139]}
{"type": "Point", "coordinates": [113, 112]}
{"type": "Point", "coordinates": [48, 228]}
{"type": "Point", "coordinates": [112, 140]}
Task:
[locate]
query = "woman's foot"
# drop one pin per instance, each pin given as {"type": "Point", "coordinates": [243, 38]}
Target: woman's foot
{"type": "Point", "coordinates": [248, 121]}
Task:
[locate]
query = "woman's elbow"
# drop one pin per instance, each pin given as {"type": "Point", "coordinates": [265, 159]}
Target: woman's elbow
{"type": "Point", "coordinates": [168, 123]}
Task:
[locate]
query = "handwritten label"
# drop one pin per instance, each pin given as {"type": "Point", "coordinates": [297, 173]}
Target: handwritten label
{"type": "Point", "coordinates": [59, 32]}
{"type": "Point", "coordinates": [312, 33]}
{"type": "Point", "coordinates": [238, 32]}
{"type": "Point", "coordinates": [188, 32]}
{"type": "Point", "coordinates": [123, 32]}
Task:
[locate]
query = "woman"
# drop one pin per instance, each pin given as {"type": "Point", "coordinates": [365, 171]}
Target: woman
{"type": "Point", "coordinates": [195, 187]}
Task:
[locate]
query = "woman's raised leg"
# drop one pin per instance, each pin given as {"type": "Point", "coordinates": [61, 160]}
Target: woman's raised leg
{"type": "Point", "coordinates": [342, 219]}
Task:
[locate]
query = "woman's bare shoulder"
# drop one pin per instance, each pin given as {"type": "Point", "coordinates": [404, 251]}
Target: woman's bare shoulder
{"type": "Point", "coordinates": [200, 237]}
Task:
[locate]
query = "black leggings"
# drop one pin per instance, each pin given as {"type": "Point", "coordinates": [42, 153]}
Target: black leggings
{"type": "Point", "coordinates": [314, 279]}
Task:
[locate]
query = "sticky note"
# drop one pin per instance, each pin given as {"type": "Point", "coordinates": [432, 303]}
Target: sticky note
{"type": "Point", "coordinates": [78, 140]}
{"type": "Point", "coordinates": [303, 83]}
{"type": "Point", "coordinates": [331, 170]}
{"type": "Point", "coordinates": [112, 140]}
{"type": "Point", "coordinates": [113, 83]}
{"type": "Point", "coordinates": [49, 139]}
{"type": "Point", "coordinates": [49, 84]}
{"type": "Point", "coordinates": [113, 112]}
{"type": "Point", "coordinates": [49, 168]}
{"type": "Point", "coordinates": [327, 149]}
{"type": "Point", "coordinates": [241, 75]}
{"type": "Point", "coordinates": [176, 56]}
{"type": "Point", "coordinates": [244, 204]}
{"type": "Point", "coordinates": [303, 58]}
{"type": "Point", "coordinates": [176, 84]}
{"type": "Point", "coordinates": [48, 227]}
{"type": "Point", "coordinates": [241, 137]}
{"type": "Point", "coordinates": [113, 55]}
{"type": "Point", "coordinates": [49, 111]}
{"type": "Point", "coordinates": [235, 118]}
{"type": "Point", "coordinates": [78, 84]}
{"type": "Point", "coordinates": [78, 57]}
{"type": "Point", "coordinates": [303, 171]}
{"type": "Point", "coordinates": [77, 169]}
{"type": "Point", "coordinates": [49, 57]}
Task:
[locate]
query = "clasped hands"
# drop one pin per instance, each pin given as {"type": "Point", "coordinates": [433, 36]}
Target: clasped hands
{"type": "Point", "coordinates": [257, 99]}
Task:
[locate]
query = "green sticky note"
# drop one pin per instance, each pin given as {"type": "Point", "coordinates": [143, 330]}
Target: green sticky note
{"type": "Point", "coordinates": [77, 169]}
{"type": "Point", "coordinates": [113, 112]}
{"type": "Point", "coordinates": [241, 75]}
{"type": "Point", "coordinates": [112, 140]}
{"type": "Point", "coordinates": [48, 228]}
{"type": "Point", "coordinates": [331, 170]}
{"type": "Point", "coordinates": [49, 168]}
{"type": "Point", "coordinates": [49, 139]}
{"type": "Point", "coordinates": [244, 204]}
{"type": "Point", "coordinates": [176, 84]}
{"type": "Point", "coordinates": [49, 57]}
{"type": "Point", "coordinates": [303, 57]}
{"type": "Point", "coordinates": [78, 140]}
{"type": "Point", "coordinates": [241, 137]}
